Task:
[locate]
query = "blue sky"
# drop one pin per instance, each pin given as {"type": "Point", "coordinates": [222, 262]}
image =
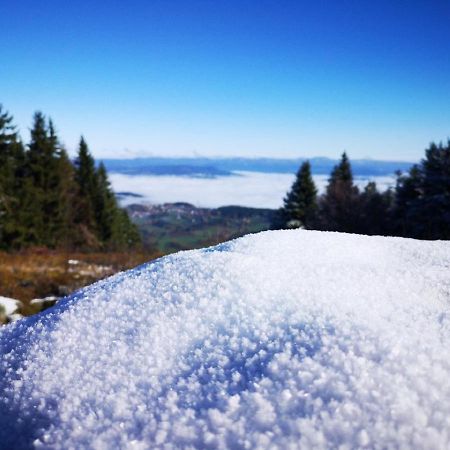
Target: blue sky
{"type": "Point", "coordinates": [251, 78]}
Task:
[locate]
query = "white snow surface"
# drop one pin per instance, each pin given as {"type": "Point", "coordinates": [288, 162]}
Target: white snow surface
{"type": "Point", "coordinates": [284, 339]}
{"type": "Point", "coordinates": [10, 305]}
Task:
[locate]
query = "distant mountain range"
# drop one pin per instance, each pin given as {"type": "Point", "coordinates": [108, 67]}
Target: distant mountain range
{"type": "Point", "coordinates": [214, 167]}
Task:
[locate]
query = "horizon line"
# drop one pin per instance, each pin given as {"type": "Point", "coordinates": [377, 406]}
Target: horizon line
{"type": "Point", "coordinates": [252, 157]}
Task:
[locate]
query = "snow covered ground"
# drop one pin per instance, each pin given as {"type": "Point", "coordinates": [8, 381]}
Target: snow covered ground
{"type": "Point", "coordinates": [285, 339]}
{"type": "Point", "coordinates": [10, 305]}
{"type": "Point", "coordinates": [9, 308]}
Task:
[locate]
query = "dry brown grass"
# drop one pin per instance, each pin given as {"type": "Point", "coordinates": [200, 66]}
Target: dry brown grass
{"type": "Point", "coordinates": [39, 272]}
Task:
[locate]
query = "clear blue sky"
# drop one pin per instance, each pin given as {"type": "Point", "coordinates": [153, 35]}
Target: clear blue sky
{"type": "Point", "coordinates": [250, 78]}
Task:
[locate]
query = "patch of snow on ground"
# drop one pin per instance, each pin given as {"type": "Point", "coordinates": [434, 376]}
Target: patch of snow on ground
{"type": "Point", "coordinates": [10, 305]}
{"type": "Point", "coordinates": [287, 339]}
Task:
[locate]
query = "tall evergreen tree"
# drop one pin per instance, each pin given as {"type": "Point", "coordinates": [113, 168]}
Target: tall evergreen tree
{"type": "Point", "coordinates": [374, 211]}
{"type": "Point", "coordinates": [64, 200]}
{"type": "Point", "coordinates": [422, 208]}
{"type": "Point", "coordinates": [86, 178]}
{"type": "Point", "coordinates": [406, 212]}
{"type": "Point", "coordinates": [11, 171]}
{"type": "Point", "coordinates": [105, 205]}
{"type": "Point", "coordinates": [100, 213]}
{"type": "Point", "coordinates": [43, 184]}
{"type": "Point", "coordinates": [8, 148]}
{"type": "Point", "coordinates": [116, 229]}
{"type": "Point", "coordinates": [300, 203]}
{"type": "Point", "coordinates": [69, 201]}
{"type": "Point", "coordinates": [339, 207]}
{"type": "Point", "coordinates": [435, 203]}
{"type": "Point", "coordinates": [125, 232]}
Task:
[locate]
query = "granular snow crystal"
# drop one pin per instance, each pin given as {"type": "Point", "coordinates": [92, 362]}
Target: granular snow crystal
{"type": "Point", "coordinates": [284, 339]}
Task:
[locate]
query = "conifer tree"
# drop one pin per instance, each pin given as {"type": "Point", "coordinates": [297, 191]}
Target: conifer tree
{"type": "Point", "coordinates": [11, 171]}
{"type": "Point", "coordinates": [125, 233]}
{"type": "Point", "coordinates": [8, 148]}
{"type": "Point", "coordinates": [300, 204]}
{"type": "Point", "coordinates": [100, 214]}
{"type": "Point", "coordinates": [43, 184]}
{"type": "Point", "coordinates": [374, 211]}
{"type": "Point", "coordinates": [116, 229]}
{"type": "Point", "coordinates": [339, 207]}
{"type": "Point", "coordinates": [63, 174]}
{"type": "Point", "coordinates": [406, 214]}
{"type": "Point", "coordinates": [105, 205]}
{"type": "Point", "coordinates": [68, 234]}
{"type": "Point", "coordinates": [422, 206]}
{"type": "Point", "coordinates": [86, 178]}
{"type": "Point", "coordinates": [435, 202]}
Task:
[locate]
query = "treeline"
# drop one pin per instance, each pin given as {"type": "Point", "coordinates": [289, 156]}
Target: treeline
{"type": "Point", "coordinates": [418, 206]}
{"type": "Point", "coordinates": [48, 200]}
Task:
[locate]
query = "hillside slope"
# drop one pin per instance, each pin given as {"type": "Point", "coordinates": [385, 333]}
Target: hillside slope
{"type": "Point", "coordinates": [180, 226]}
{"type": "Point", "coordinates": [286, 339]}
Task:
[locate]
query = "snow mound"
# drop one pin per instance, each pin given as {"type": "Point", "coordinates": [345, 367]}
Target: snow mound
{"type": "Point", "coordinates": [287, 339]}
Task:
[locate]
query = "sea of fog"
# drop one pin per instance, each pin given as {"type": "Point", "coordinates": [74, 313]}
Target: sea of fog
{"type": "Point", "coordinates": [254, 189]}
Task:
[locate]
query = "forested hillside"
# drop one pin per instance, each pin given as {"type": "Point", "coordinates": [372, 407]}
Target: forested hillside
{"type": "Point", "coordinates": [48, 200]}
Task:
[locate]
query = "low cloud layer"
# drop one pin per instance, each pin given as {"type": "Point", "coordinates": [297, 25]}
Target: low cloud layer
{"type": "Point", "coordinates": [258, 190]}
